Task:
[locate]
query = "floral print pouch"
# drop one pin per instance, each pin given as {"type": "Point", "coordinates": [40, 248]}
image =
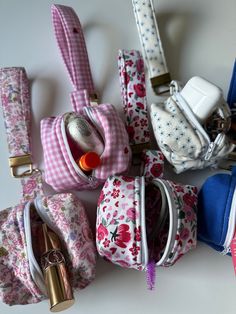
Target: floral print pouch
{"type": "Point", "coordinates": [21, 279]}
{"type": "Point", "coordinates": [128, 230]}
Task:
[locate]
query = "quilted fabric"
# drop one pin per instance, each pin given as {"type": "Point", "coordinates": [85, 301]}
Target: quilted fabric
{"type": "Point", "coordinates": [214, 209]}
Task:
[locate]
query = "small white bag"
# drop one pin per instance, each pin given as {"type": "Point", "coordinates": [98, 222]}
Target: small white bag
{"type": "Point", "coordinates": [181, 137]}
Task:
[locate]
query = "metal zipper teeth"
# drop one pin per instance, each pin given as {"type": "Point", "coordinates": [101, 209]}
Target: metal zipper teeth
{"type": "Point", "coordinates": [80, 173]}
{"type": "Point", "coordinates": [184, 106]}
{"type": "Point", "coordinates": [231, 225]}
{"type": "Point", "coordinates": [172, 225]}
{"type": "Point", "coordinates": [35, 269]}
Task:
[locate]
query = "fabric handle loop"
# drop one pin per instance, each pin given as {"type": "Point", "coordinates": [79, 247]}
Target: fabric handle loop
{"type": "Point", "coordinates": [16, 106]}
{"type": "Point", "coordinates": [15, 97]}
{"type": "Point", "coordinates": [133, 91]}
{"type": "Point", "coordinates": [151, 45]}
{"type": "Point", "coordinates": [71, 42]}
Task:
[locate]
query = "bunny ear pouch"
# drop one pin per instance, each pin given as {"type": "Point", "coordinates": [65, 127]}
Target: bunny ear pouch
{"type": "Point", "coordinates": [21, 277]}
{"type": "Point", "coordinates": [146, 221]}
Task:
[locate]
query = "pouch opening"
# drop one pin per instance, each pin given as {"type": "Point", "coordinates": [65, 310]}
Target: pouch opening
{"type": "Point", "coordinates": [157, 222]}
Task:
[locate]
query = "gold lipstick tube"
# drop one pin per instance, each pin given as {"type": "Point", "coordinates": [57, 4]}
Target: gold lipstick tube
{"type": "Point", "coordinates": [55, 273]}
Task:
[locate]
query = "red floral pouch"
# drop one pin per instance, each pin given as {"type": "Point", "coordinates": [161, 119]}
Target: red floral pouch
{"type": "Point", "coordinates": [142, 222]}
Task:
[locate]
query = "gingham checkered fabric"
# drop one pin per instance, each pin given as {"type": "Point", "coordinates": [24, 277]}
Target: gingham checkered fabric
{"type": "Point", "coordinates": [70, 39]}
{"type": "Point", "coordinates": [60, 171]}
{"type": "Point", "coordinates": [116, 156]}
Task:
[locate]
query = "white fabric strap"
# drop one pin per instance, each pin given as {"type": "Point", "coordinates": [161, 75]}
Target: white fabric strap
{"type": "Point", "coordinates": [151, 45]}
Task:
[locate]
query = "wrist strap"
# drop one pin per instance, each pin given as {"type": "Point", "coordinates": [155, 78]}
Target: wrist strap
{"type": "Point", "coordinates": [132, 81]}
{"type": "Point", "coordinates": [231, 99]}
{"type": "Point", "coordinates": [151, 45]}
{"type": "Point", "coordinates": [70, 40]}
{"type": "Point", "coordinates": [15, 97]}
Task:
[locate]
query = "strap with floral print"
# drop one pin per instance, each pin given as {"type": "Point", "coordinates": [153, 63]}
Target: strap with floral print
{"type": "Point", "coordinates": [133, 90]}
{"type": "Point", "coordinates": [15, 97]}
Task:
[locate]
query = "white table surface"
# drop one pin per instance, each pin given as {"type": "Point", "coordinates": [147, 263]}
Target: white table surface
{"type": "Point", "coordinates": [199, 39]}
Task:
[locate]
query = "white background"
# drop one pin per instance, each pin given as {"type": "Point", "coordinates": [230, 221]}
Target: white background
{"type": "Point", "coordinates": [199, 39]}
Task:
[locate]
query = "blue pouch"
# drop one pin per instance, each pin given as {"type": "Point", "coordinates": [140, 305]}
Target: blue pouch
{"type": "Point", "coordinates": [217, 211]}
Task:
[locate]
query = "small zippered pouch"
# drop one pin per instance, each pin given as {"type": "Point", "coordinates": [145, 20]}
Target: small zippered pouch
{"type": "Point", "coordinates": [21, 278]}
{"type": "Point", "coordinates": [143, 223]}
{"type": "Point", "coordinates": [217, 212]}
{"type": "Point", "coordinates": [182, 139]}
{"type": "Point", "coordinates": [22, 243]}
{"type": "Point", "coordinates": [61, 170]}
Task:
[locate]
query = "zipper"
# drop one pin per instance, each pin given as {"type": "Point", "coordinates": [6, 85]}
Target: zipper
{"type": "Point", "coordinates": [231, 226]}
{"type": "Point", "coordinates": [89, 112]}
{"type": "Point", "coordinates": [211, 145]}
{"type": "Point", "coordinates": [143, 224]}
{"type": "Point", "coordinates": [88, 179]}
{"type": "Point", "coordinates": [35, 269]}
{"type": "Point", "coordinates": [172, 224]}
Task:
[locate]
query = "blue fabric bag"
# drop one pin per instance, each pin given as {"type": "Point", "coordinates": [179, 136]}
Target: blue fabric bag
{"type": "Point", "coordinates": [217, 211]}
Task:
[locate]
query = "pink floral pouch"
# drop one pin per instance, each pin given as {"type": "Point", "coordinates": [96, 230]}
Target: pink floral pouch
{"type": "Point", "coordinates": [61, 170]}
{"type": "Point", "coordinates": [143, 222]}
{"type": "Point", "coordinates": [21, 278]}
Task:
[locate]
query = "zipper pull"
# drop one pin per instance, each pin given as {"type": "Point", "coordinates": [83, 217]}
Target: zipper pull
{"type": "Point", "coordinates": [151, 275]}
{"type": "Point", "coordinates": [210, 151]}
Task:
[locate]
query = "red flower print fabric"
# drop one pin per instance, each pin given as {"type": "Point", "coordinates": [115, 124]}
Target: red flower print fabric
{"type": "Point", "coordinates": [118, 231]}
{"type": "Point", "coordinates": [153, 164]}
{"type": "Point", "coordinates": [133, 90]}
{"type": "Point", "coordinates": [122, 231]}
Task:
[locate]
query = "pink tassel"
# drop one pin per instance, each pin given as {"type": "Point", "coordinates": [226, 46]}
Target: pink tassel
{"type": "Point", "coordinates": [151, 275]}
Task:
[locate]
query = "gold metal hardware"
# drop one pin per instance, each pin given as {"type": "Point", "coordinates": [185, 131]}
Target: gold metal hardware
{"type": "Point", "coordinates": [17, 162]}
{"type": "Point", "coordinates": [93, 99]}
{"type": "Point", "coordinates": [160, 84]}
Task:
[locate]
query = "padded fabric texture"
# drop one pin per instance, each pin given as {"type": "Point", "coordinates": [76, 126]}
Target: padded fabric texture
{"type": "Point", "coordinates": [214, 206]}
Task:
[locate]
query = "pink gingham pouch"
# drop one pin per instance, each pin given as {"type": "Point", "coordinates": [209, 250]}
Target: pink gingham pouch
{"type": "Point", "coordinates": [61, 170]}
{"type": "Point", "coordinates": [144, 223]}
{"type": "Point", "coordinates": [21, 278]}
